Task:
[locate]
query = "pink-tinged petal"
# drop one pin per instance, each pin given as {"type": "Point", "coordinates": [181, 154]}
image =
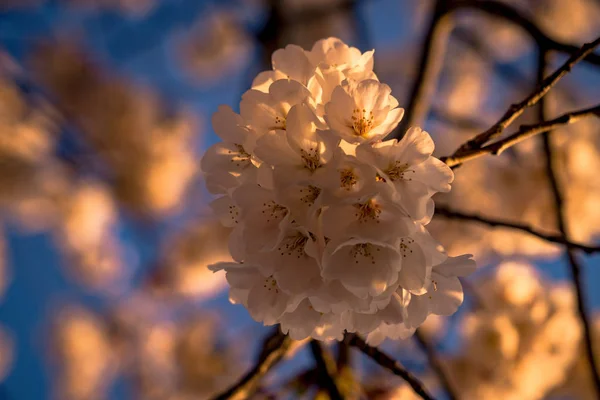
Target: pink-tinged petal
{"type": "Point", "coordinates": [263, 80]}
{"type": "Point", "coordinates": [221, 182]}
{"type": "Point", "coordinates": [363, 268]}
{"type": "Point", "coordinates": [396, 311]}
{"type": "Point", "coordinates": [435, 174]}
{"type": "Point", "coordinates": [226, 157]}
{"type": "Point", "coordinates": [288, 92]}
{"type": "Point", "coordinates": [293, 63]}
{"type": "Point", "coordinates": [462, 265]}
{"type": "Point", "coordinates": [416, 146]}
{"type": "Point", "coordinates": [414, 273]}
{"type": "Point", "coordinates": [237, 247]}
{"type": "Point", "coordinates": [273, 148]}
{"type": "Point", "coordinates": [418, 310]}
{"type": "Point", "coordinates": [445, 294]}
{"type": "Point", "coordinates": [229, 126]}
{"type": "Point", "coordinates": [390, 122]}
{"type": "Point", "coordinates": [227, 211]}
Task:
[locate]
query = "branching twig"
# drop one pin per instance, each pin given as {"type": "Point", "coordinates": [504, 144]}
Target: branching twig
{"type": "Point", "coordinates": [574, 264]}
{"type": "Point", "coordinates": [445, 212]}
{"type": "Point", "coordinates": [429, 68]}
{"type": "Point", "coordinates": [524, 132]}
{"type": "Point", "coordinates": [390, 364]}
{"type": "Point", "coordinates": [274, 348]}
{"type": "Point", "coordinates": [517, 109]}
{"type": "Point", "coordinates": [436, 364]}
{"type": "Point", "coordinates": [325, 371]}
{"type": "Point", "coordinates": [505, 11]}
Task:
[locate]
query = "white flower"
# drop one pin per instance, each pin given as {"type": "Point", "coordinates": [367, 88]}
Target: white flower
{"type": "Point", "coordinates": [362, 111]}
{"type": "Point", "coordinates": [265, 112]}
{"type": "Point", "coordinates": [265, 220]}
{"type": "Point", "coordinates": [298, 152]}
{"type": "Point", "coordinates": [328, 221]}
{"type": "Point", "coordinates": [227, 163]}
{"type": "Point", "coordinates": [256, 290]}
{"type": "Point", "coordinates": [408, 168]}
{"type": "Point", "coordinates": [363, 267]}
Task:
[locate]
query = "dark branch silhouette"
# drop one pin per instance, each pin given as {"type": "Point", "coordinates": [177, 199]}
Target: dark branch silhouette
{"type": "Point", "coordinates": [325, 368]}
{"type": "Point", "coordinates": [446, 212]}
{"type": "Point", "coordinates": [575, 266]}
{"type": "Point", "coordinates": [517, 109]}
{"type": "Point", "coordinates": [390, 364]}
{"type": "Point", "coordinates": [436, 364]}
{"type": "Point", "coordinates": [274, 348]}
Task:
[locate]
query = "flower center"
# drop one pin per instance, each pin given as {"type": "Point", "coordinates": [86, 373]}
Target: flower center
{"type": "Point", "coordinates": [405, 246]}
{"type": "Point", "coordinates": [398, 170]}
{"type": "Point", "coordinates": [293, 245]}
{"type": "Point", "coordinates": [280, 123]}
{"type": "Point", "coordinates": [309, 194]}
{"type": "Point", "coordinates": [362, 122]}
{"type": "Point", "coordinates": [367, 211]}
{"type": "Point", "coordinates": [241, 157]}
{"type": "Point", "coordinates": [311, 159]}
{"type": "Point", "coordinates": [274, 211]}
{"type": "Point", "coordinates": [363, 250]}
{"type": "Point", "coordinates": [348, 178]}
{"type": "Point", "coordinates": [271, 284]}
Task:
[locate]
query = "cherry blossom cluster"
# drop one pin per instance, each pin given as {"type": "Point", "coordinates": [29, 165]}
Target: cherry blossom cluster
{"type": "Point", "coordinates": [328, 219]}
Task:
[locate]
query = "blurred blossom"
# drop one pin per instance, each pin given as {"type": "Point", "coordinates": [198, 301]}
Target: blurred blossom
{"type": "Point", "coordinates": [338, 22]}
{"type": "Point", "coordinates": [87, 235]}
{"type": "Point", "coordinates": [30, 176]}
{"type": "Point", "coordinates": [574, 21]}
{"type": "Point", "coordinates": [148, 150]}
{"type": "Point", "coordinates": [83, 354]}
{"type": "Point", "coordinates": [579, 384]}
{"type": "Point", "coordinates": [132, 7]}
{"type": "Point", "coordinates": [186, 258]}
{"type": "Point", "coordinates": [6, 352]}
{"type": "Point", "coordinates": [465, 84]}
{"type": "Point", "coordinates": [172, 358]}
{"type": "Point", "coordinates": [217, 46]}
{"type": "Point", "coordinates": [521, 339]}
{"type": "Point", "coordinates": [505, 40]}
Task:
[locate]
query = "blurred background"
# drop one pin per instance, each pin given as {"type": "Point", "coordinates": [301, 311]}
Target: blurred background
{"type": "Point", "coordinates": [105, 233]}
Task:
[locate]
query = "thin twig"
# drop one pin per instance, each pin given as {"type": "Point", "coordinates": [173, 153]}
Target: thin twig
{"type": "Point", "coordinates": [429, 68]}
{"type": "Point", "coordinates": [325, 370]}
{"type": "Point", "coordinates": [274, 348]}
{"type": "Point", "coordinates": [511, 14]}
{"type": "Point", "coordinates": [436, 364]}
{"type": "Point", "coordinates": [391, 365]}
{"type": "Point", "coordinates": [517, 109]}
{"type": "Point", "coordinates": [524, 132]}
{"type": "Point", "coordinates": [445, 212]}
{"type": "Point", "coordinates": [575, 267]}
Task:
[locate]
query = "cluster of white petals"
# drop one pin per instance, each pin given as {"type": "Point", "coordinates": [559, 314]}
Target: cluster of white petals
{"type": "Point", "coordinates": [521, 340]}
{"type": "Point", "coordinates": [328, 219]}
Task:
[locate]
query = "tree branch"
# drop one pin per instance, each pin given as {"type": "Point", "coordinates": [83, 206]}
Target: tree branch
{"type": "Point", "coordinates": [517, 109]}
{"type": "Point", "coordinates": [274, 348]}
{"type": "Point", "coordinates": [429, 68]}
{"type": "Point", "coordinates": [390, 364]}
{"type": "Point", "coordinates": [445, 212]}
{"type": "Point", "coordinates": [574, 264]}
{"type": "Point", "coordinates": [436, 364]}
{"type": "Point", "coordinates": [524, 132]}
{"type": "Point", "coordinates": [325, 370]}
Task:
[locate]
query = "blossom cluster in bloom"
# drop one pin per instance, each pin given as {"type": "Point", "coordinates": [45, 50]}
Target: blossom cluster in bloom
{"type": "Point", "coordinates": [328, 219]}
